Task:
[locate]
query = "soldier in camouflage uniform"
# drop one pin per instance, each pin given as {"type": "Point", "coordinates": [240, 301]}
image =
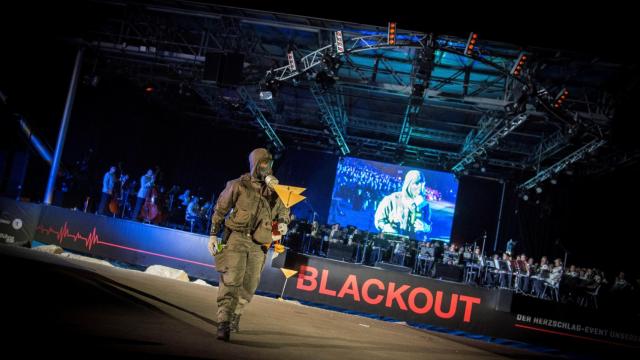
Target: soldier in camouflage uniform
{"type": "Point", "coordinates": [241, 252]}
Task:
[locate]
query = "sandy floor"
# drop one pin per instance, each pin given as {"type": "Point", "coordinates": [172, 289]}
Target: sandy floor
{"type": "Point", "coordinates": [110, 311]}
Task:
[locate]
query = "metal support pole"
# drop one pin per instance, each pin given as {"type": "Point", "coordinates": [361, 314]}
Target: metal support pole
{"type": "Point", "coordinates": [51, 183]}
{"type": "Point", "coordinates": [495, 242]}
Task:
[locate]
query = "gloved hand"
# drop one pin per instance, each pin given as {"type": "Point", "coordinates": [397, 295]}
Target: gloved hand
{"type": "Point", "coordinates": [213, 245]}
{"type": "Point", "coordinates": [283, 228]}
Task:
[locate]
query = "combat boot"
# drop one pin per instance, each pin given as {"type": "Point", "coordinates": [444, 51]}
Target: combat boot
{"type": "Point", "coordinates": [235, 323]}
{"type": "Point", "coordinates": [224, 332]}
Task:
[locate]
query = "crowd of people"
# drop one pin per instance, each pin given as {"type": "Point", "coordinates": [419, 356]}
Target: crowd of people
{"type": "Point", "coordinates": [364, 187]}
{"type": "Point", "coordinates": [587, 287]}
{"type": "Point", "coordinates": [544, 279]}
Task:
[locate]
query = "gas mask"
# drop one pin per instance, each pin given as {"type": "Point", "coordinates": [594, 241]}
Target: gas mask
{"type": "Point", "coordinates": [264, 168]}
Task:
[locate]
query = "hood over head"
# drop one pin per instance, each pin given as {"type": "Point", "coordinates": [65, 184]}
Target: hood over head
{"type": "Point", "coordinates": [255, 157]}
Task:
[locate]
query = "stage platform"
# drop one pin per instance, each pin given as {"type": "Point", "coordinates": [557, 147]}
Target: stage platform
{"type": "Point", "coordinates": [494, 315]}
{"type": "Point", "coordinates": [64, 307]}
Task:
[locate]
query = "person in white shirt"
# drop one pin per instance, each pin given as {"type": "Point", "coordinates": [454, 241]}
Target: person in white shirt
{"type": "Point", "coordinates": [541, 275]}
{"type": "Point", "coordinates": [192, 209]}
{"type": "Point", "coordinates": [556, 273]}
{"type": "Point", "coordinates": [193, 213]}
{"type": "Point", "coordinates": [108, 183]}
{"type": "Point", "coordinates": [146, 183]}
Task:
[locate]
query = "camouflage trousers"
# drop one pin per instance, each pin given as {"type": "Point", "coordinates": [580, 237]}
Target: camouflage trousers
{"type": "Point", "coordinates": [240, 265]}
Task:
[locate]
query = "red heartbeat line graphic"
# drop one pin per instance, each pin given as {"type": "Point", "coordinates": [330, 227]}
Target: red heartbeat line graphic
{"type": "Point", "coordinates": [93, 239]}
{"type": "Point", "coordinates": [89, 241]}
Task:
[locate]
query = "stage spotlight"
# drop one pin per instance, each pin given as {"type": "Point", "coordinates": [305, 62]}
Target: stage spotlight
{"type": "Point", "coordinates": [538, 190]}
{"type": "Point", "coordinates": [471, 44]}
{"type": "Point", "coordinates": [391, 33]}
{"type": "Point", "coordinates": [510, 108]}
{"type": "Point", "coordinates": [339, 42]}
{"type": "Point", "coordinates": [332, 63]}
{"type": "Point", "coordinates": [292, 61]}
{"type": "Point", "coordinates": [560, 98]}
{"type": "Point", "coordinates": [266, 95]}
{"type": "Point", "coordinates": [525, 197]}
{"type": "Point", "coordinates": [553, 181]}
{"type": "Point", "coordinates": [324, 80]}
{"type": "Point", "coordinates": [269, 88]}
{"type": "Point", "coordinates": [516, 70]}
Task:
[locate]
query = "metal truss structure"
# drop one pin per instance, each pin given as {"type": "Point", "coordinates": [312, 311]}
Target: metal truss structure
{"type": "Point", "coordinates": [420, 102]}
{"type": "Point", "coordinates": [491, 130]}
{"type": "Point", "coordinates": [333, 115]}
{"type": "Point", "coordinates": [560, 165]}
{"type": "Point", "coordinates": [260, 118]}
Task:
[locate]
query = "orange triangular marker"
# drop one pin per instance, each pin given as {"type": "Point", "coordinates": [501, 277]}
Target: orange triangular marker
{"type": "Point", "coordinates": [290, 195]}
{"type": "Point", "coordinates": [288, 272]}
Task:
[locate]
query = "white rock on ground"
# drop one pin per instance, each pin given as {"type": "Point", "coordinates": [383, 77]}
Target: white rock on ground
{"type": "Point", "coordinates": [51, 249]}
{"type": "Point", "coordinates": [167, 272]}
{"type": "Point", "coordinates": [86, 258]}
{"type": "Point", "coordinates": [200, 282]}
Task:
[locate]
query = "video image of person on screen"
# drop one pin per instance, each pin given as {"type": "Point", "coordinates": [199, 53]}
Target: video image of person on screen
{"type": "Point", "coordinates": [406, 212]}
